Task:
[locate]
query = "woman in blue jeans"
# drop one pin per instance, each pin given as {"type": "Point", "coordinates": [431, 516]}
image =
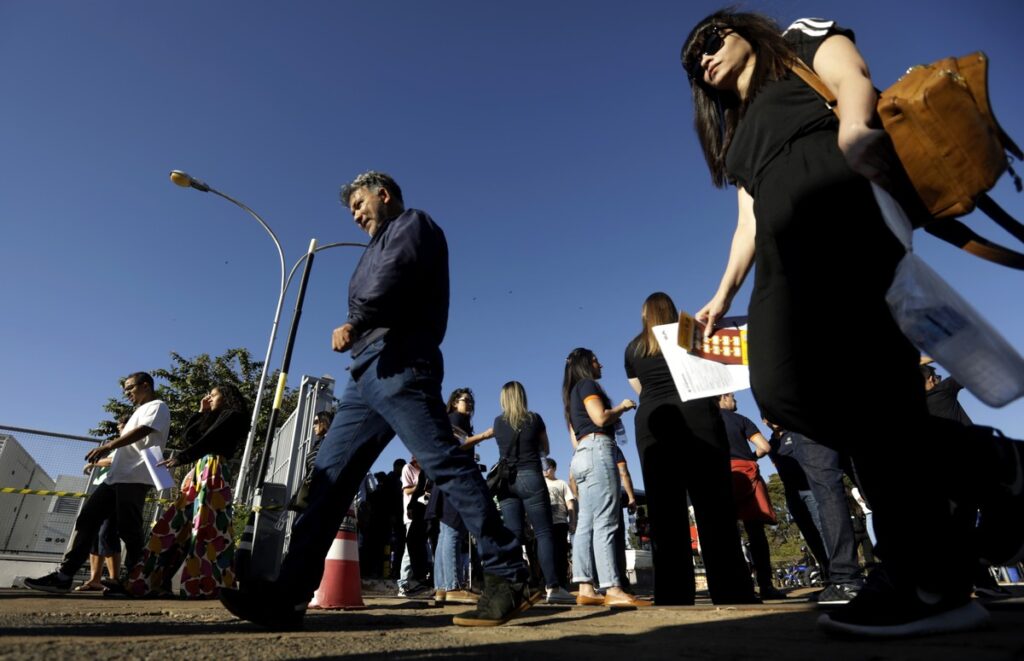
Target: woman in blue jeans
{"type": "Point", "coordinates": [523, 439]}
{"type": "Point", "coordinates": [592, 420]}
{"type": "Point", "coordinates": [451, 563]}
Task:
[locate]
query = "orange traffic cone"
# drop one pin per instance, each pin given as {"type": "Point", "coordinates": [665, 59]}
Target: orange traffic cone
{"type": "Point", "coordinates": [341, 586]}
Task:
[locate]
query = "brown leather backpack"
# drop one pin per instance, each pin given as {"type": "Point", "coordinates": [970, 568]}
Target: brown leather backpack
{"type": "Point", "coordinates": [950, 145]}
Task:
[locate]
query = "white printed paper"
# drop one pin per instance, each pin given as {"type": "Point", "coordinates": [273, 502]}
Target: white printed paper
{"type": "Point", "coordinates": [161, 477]}
{"type": "Point", "coordinates": [696, 377]}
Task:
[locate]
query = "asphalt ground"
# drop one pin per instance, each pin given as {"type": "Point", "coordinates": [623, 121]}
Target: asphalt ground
{"type": "Point", "coordinates": [83, 626]}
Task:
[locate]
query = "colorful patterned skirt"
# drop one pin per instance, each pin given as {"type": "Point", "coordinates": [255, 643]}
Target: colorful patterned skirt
{"type": "Point", "coordinates": [196, 531]}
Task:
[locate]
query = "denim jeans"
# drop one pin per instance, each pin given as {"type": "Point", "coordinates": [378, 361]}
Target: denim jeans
{"type": "Point", "coordinates": [449, 558]}
{"type": "Point", "coordinates": [531, 498]}
{"type": "Point", "coordinates": [825, 476]}
{"type": "Point", "coordinates": [414, 559]}
{"type": "Point", "coordinates": [393, 390]}
{"type": "Point", "coordinates": [597, 480]}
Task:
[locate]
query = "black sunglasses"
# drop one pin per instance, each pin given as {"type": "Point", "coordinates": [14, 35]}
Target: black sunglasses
{"type": "Point", "coordinates": [711, 39]}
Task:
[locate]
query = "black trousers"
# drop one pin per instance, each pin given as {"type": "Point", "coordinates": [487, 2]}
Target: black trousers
{"type": "Point", "coordinates": [124, 502]}
{"type": "Point", "coordinates": [683, 449]}
{"type": "Point", "coordinates": [828, 361]}
{"type": "Point", "coordinates": [560, 540]}
{"type": "Point", "coordinates": [760, 554]}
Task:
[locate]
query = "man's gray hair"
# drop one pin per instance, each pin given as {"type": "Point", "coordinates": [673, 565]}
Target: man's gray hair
{"type": "Point", "coordinates": [374, 181]}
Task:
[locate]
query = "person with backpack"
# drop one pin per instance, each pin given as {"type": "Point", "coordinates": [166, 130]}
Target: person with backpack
{"type": "Point", "coordinates": [825, 259]}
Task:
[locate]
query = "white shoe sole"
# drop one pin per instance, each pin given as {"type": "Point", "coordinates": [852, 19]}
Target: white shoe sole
{"type": "Point", "coordinates": [968, 617]}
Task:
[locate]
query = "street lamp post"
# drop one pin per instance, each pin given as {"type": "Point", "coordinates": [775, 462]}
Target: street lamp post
{"type": "Point", "coordinates": [186, 181]}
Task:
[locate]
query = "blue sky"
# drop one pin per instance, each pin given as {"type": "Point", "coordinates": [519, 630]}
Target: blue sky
{"type": "Point", "coordinates": [552, 141]}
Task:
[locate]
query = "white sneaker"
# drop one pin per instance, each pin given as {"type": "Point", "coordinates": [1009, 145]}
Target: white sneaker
{"type": "Point", "coordinates": [559, 595]}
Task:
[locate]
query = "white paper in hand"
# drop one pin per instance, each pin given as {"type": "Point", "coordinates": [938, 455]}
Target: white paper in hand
{"type": "Point", "coordinates": [696, 377]}
{"type": "Point", "coordinates": [161, 477]}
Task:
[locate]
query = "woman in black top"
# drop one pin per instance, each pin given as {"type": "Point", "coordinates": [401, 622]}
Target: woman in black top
{"type": "Point", "coordinates": [825, 258]}
{"type": "Point", "coordinates": [197, 529]}
{"type": "Point", "coordinates": [683, 449]}
{"type": "Point", "coordinates": [523, 440]}
{"type": "Point", "coordinates": [450, 559]}
{"type": "Point", "coordinates": [592, 420]}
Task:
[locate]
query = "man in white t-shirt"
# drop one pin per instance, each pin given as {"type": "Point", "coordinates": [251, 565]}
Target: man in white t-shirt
{"type": "Point", "coordinates": [563, 519]}
{"type": "Point", "coordinates": [123, 493]}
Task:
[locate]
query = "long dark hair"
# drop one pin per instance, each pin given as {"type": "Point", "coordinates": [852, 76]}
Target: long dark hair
{"type": "Point", "coordinates": [233, 398]}
{"type": "Point", "coordinates": [454, 398]}
{"type": "Point", "coordinates": [579, 365]}
{"type": "Point", "coordinates": [658, 309]}
{"type": "Point", "coordinates": [717, 113]}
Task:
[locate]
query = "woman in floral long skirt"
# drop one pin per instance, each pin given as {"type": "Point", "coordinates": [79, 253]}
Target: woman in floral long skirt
{"type": "Point", "coordinates": [196, 529]}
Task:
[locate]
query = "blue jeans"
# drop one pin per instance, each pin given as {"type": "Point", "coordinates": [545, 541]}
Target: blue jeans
{"type": "Point", "coordinates": [530, 493]}
{"type": "Point", "coordinates": [449, 558]}
{"type": "Point", "coordinates": [597, 480]}
{"type": "Point", "coordinates": [825, 476]}
{"type": "Point", "coordinates": [393, 390]}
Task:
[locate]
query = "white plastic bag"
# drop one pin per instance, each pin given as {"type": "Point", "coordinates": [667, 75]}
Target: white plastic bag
{"type": "Point", "coordinates": [943, 325]}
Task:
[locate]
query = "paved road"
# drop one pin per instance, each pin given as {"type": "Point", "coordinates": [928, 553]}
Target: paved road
{"type": "Point", "coordinates": [34, 626]}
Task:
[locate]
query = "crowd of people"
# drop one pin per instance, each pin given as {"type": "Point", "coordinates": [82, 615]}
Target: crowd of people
{"type": "Point", "coordinates": [806, 216]}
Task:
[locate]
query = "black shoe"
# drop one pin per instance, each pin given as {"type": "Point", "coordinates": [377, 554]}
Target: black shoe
{"type": "Point", "coordinates": [837, 595]}
{"type": "Point", "coordinates": [51, 583]}
{"type": "Point", "coordinates": [414, 589]}
{"type": "Point", "coordinates": [500, 602]}
{"type": "Point", "coordinates": [992, 592]}
{"type": "Point", "coordinates": [770, 592]}
{"type": "Point", "coordinates": [267, 607]}
{"type": "Point", "coordinates": [114, 590]}
{"type": "Point", "coordinates": [881, 611]}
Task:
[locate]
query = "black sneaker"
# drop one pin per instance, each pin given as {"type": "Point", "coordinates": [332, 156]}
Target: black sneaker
{"type": "Point", "coordinates": [414, 589]}
{"type": "Point", "coordinates": [881, 611]}
{"type": "Point", "coordinates": [500, 602]}
{"type": "Point", "coordinates": [267, 607]}
{"type": "Point", "coordinates": [51, 583]}
{"type": "Point", "coordinates": [992, 592]}
{"type": "Point", "coordinates": [837, 595]}
{"type": "Point", "coordinates": [769, 592]}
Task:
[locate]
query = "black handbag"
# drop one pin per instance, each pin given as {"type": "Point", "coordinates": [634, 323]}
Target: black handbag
{"type": "Point", "coordinates": [503, 473]}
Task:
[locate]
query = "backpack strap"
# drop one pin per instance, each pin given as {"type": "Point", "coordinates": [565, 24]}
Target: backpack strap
{"type": "Point", "coordinates": [815, 82]}
{"type": "Point", "coordinates": [998, 214]}
{"type": "Point", "coordinates": [953, 231]}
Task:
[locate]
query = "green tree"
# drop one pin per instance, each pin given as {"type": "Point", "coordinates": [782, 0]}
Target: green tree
{"type": "Point", "coordinates": [186, 381]}
{"type": "Point", "coordinates": [784, 539]}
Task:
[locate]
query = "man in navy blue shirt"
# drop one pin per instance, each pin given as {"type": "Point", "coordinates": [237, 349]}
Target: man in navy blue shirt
{"type": "Point", "coordinates": [749, 489]}
{"type": "Point", "coordinates": [397, 317]}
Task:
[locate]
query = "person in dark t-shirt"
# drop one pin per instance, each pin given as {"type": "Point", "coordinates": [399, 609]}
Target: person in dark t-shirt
{"type": "Point", "coordinates": [749, 490]}
{"type": "Point", "coordinates": [683, 451]}
{"type": "Point", "coordinates": [941, 396]}
{"type": "Point", "coordinates": [592, 420]}
{"type": "Point", "coordinates": [523, 441]}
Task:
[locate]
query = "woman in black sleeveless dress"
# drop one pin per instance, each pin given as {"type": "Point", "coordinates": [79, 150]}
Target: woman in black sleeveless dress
{"type": "Point", "coordinates": [825, 258]}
